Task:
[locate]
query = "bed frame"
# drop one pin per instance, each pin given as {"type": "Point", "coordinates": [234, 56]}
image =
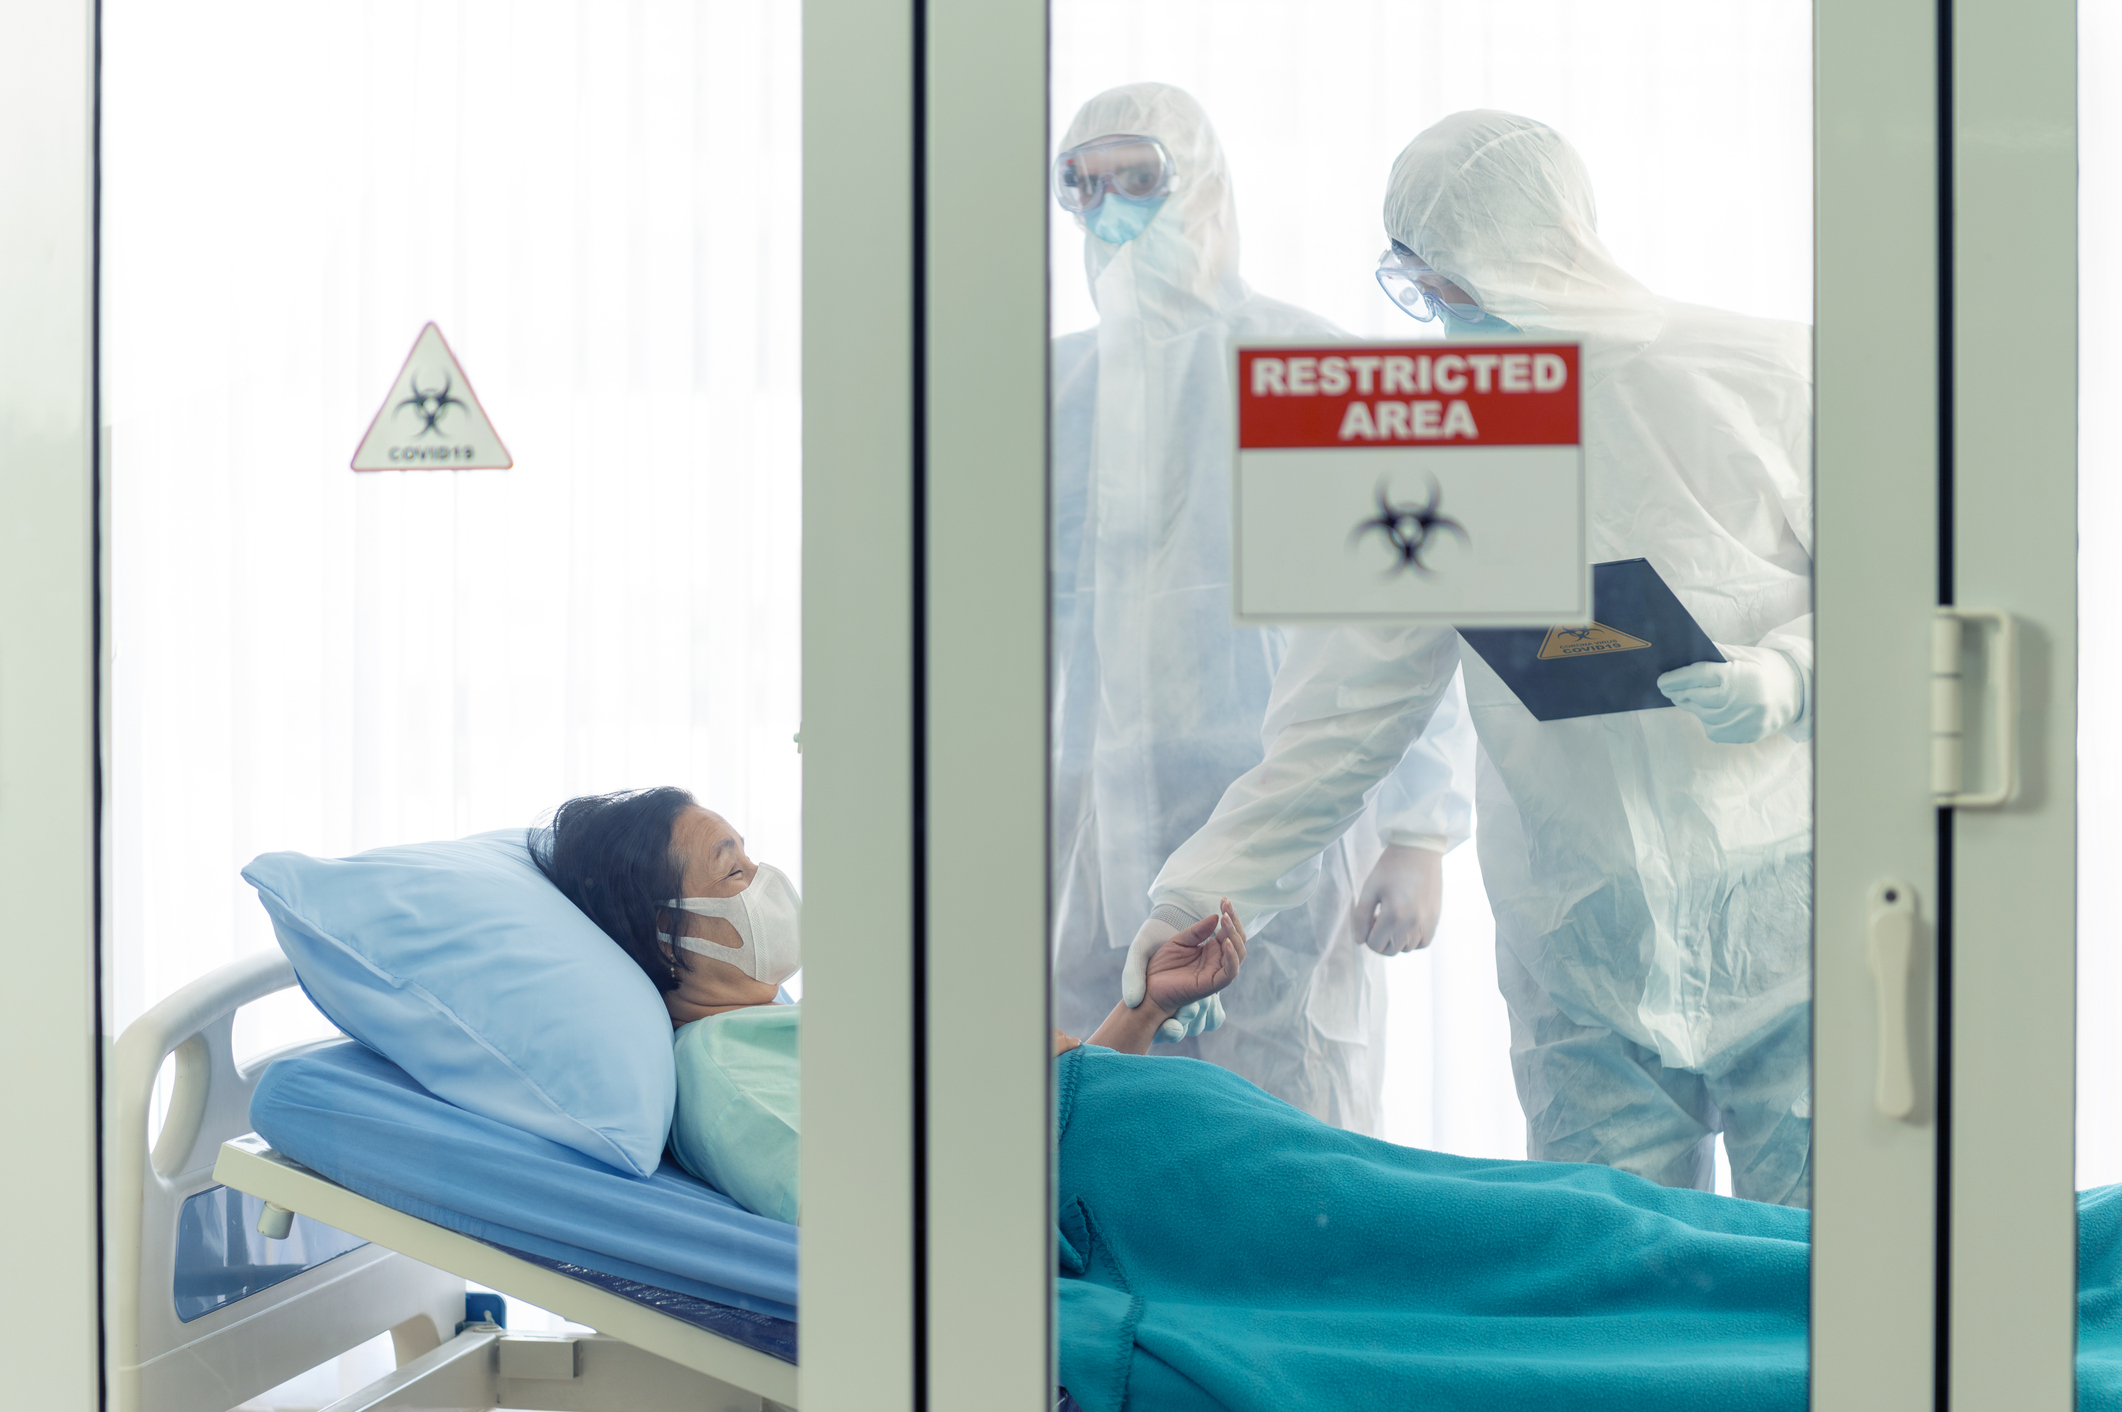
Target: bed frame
{"type": "Point", "coordinates": [408, 1280]}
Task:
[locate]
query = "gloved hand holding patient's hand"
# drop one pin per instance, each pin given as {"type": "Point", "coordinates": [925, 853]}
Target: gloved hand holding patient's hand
{"type": "Point", "coordinates": [1197, 1017]}
{"type": "Point", "coordinates": [1758, 692]}
{"type": "Point", "coordinates": [1195, 963]}
{"type": "Point", "coordinates": [1181, 973]}
{"type": "Point", "coordinates": [1397, 909]}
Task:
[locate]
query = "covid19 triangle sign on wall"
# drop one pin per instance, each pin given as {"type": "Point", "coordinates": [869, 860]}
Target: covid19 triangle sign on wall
{"type": "Point", "coordinates": [432, 420]}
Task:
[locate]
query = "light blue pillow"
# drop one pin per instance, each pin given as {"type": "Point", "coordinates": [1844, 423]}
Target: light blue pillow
{"type": "Point", "coordinates": [461, 964]}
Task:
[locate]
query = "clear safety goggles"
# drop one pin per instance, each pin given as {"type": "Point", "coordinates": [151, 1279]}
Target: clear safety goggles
{"type": "Point", "coordinates": [1137, 168]}
{"type": "Point", "coordinates": [1420, 291]}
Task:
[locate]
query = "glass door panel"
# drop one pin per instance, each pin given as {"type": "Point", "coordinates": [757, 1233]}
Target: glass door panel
{"type": "Point", "coordinates": [450, 369]}
{"type": "Point", "coordinates": [1469, 933]}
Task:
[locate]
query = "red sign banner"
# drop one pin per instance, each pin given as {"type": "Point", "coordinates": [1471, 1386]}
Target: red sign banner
{"type": "Point", "coordinates": [1424, 394]}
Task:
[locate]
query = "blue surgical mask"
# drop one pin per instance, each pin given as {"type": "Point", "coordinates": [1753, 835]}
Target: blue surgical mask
{"type": "Point", "coordinates": [1457, 325]}
{"type": "Point", "coordinates": [1118, 219]}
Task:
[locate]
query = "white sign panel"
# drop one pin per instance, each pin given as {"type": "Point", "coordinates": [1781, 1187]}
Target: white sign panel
{"type": "Point", "coordinates": [1438, 482]}
{"type": "Point", "coordinates": [432, 419]}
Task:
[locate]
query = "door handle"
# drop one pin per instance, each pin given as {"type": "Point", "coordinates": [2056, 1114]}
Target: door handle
{"type": "Point", "coordinates": [1946, 715]}
{"type": "Point", "coordinates": [1891, 941]}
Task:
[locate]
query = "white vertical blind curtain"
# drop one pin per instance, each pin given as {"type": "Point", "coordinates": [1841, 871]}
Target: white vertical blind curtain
{"type": "Point", "coordinates": [599, 204]}
{"type": "Point", "coordinates": [1696, 123]}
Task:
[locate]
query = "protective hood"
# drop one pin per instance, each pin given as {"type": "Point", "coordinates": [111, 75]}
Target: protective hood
{"type": "Point", "coordinates": [1503, 206]}
{"type": "Point", "coordinates": [1184, 267]}
{"type": "Point", "coordinates": [1645, 880]}
{"type": "Point", "coordinates": [1157, 695]}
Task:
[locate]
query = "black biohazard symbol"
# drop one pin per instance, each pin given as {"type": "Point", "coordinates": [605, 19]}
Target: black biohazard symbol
{"type": "Point", "coordinates": [1578, 634]}
{"type": "Point", "coordinates": [429, 406]}
{"type": "Point", "coordinates": [1410, 528]}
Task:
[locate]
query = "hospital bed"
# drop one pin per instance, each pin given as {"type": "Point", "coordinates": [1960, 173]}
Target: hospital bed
{"type": "Point", "coordinates": [232, 1268]}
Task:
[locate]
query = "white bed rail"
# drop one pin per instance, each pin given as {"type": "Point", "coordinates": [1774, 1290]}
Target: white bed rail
{"type": "Point", "coordinates": [488, 1367]}
{"type": "Point", "coordinates": [714, 1374]}
{"type": "Point", "coordinates": [159, 1363]}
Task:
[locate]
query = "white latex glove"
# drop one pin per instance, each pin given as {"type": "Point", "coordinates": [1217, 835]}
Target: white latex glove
{"type": "Point", "coordinates": [1752, 696]}
{"type": "Point", "coordinates": [1197, 1018]}
{"type": "Point", "coordinates": [1398, 907]}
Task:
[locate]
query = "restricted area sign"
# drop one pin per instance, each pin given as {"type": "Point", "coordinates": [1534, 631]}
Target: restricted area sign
{"type": "Point", "coordinates": [1439, 482]}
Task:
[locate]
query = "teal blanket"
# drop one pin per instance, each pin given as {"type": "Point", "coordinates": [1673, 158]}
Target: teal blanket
{"type": "Point", "coordinates": [1221, 1250]}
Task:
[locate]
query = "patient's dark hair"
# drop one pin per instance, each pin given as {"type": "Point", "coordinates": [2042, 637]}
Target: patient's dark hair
{"type": "Point", "coordinates": [611, 855]}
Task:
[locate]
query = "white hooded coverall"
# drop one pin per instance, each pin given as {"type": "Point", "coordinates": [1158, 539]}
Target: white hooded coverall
{"type": "Point", "coordinates": [1158, 697]}
{"type": "Point", "coordinates": [1651, 887]}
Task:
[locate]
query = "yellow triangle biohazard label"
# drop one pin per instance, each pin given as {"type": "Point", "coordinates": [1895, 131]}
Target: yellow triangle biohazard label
{"type": "Point", "coordinates": [1593, 641]}
{"type": "Point", "coordinates": [431, 421]}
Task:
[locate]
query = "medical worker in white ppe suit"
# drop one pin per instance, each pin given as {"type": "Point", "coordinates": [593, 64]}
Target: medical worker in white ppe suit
{"type": "Point", "coordinates": [1650, 872]}
{"type": "Point", "coordinates": [1159, 698]}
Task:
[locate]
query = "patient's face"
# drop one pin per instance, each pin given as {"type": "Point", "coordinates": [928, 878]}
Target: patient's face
{"type": "Point", "coordinates": [715, 865]}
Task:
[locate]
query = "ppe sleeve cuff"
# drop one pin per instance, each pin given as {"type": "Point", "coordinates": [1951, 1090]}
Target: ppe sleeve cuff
{"type": "Point", "coordinates": [1434, 842]}
{"type": "Point", "coordinates": [1801, 729]}
{"type": "Point", "coordinates": [1174, 916]}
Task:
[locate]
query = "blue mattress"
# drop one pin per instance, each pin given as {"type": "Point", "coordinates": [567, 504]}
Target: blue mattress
{"type": "Point", "coordinates": [669, 1241]}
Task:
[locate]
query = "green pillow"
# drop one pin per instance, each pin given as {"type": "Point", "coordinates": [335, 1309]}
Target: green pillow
{"type": "Point", "coordinates": [738, 1120]}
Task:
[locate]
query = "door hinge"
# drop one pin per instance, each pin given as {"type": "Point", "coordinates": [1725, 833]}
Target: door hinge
{"type": "Point", "coordinates": [1948, 713]}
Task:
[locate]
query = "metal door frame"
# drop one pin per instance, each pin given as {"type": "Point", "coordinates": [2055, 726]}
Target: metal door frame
{"type": "Point", "coordinates": [973, 88]}
{"type": "Point", "coordinates": [1877, 448]}
{"type": "Point", "coordinates": [2010, 1287]}
{"type": "Point", "coordinates": [926, 1265]}
{"type": "Point", "coordinates": [928, 1248]}
{"type": "Point", "coordinates": [50, 1038]}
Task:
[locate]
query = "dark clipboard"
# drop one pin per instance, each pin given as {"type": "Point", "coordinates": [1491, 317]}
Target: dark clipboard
{"type": "Point", "coordinates": [1639, 632]}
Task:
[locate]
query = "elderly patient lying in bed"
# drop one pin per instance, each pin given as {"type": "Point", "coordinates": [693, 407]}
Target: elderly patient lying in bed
{"type": "Point", "coordinates": [1220, 1249]}
{"type": "Point", "coordinates": [716, 931]}
{"type": "Point", "coordinates": [733, 942]}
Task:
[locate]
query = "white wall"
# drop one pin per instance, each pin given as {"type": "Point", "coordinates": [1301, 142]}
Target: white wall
{"type": "Point", "coordinates": [1695, 120]}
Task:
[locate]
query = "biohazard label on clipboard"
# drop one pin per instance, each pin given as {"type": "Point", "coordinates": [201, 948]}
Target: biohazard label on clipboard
{"type": "Point", "coordinates": [432, 420]}
{"type": "Point", "coordinates": [1587, 642]}
{"type": "Point", "coordinates": [1429, 482]}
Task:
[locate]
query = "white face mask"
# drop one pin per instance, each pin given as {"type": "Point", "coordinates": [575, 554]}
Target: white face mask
{"type": "Point", "coordinates": [768, 917]}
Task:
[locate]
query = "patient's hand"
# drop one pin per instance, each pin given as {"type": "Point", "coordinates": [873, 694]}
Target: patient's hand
{"type": "Point", "coordinates": [1197, 962]}
{"type": "Point", "coordinates": [1192, 965]}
